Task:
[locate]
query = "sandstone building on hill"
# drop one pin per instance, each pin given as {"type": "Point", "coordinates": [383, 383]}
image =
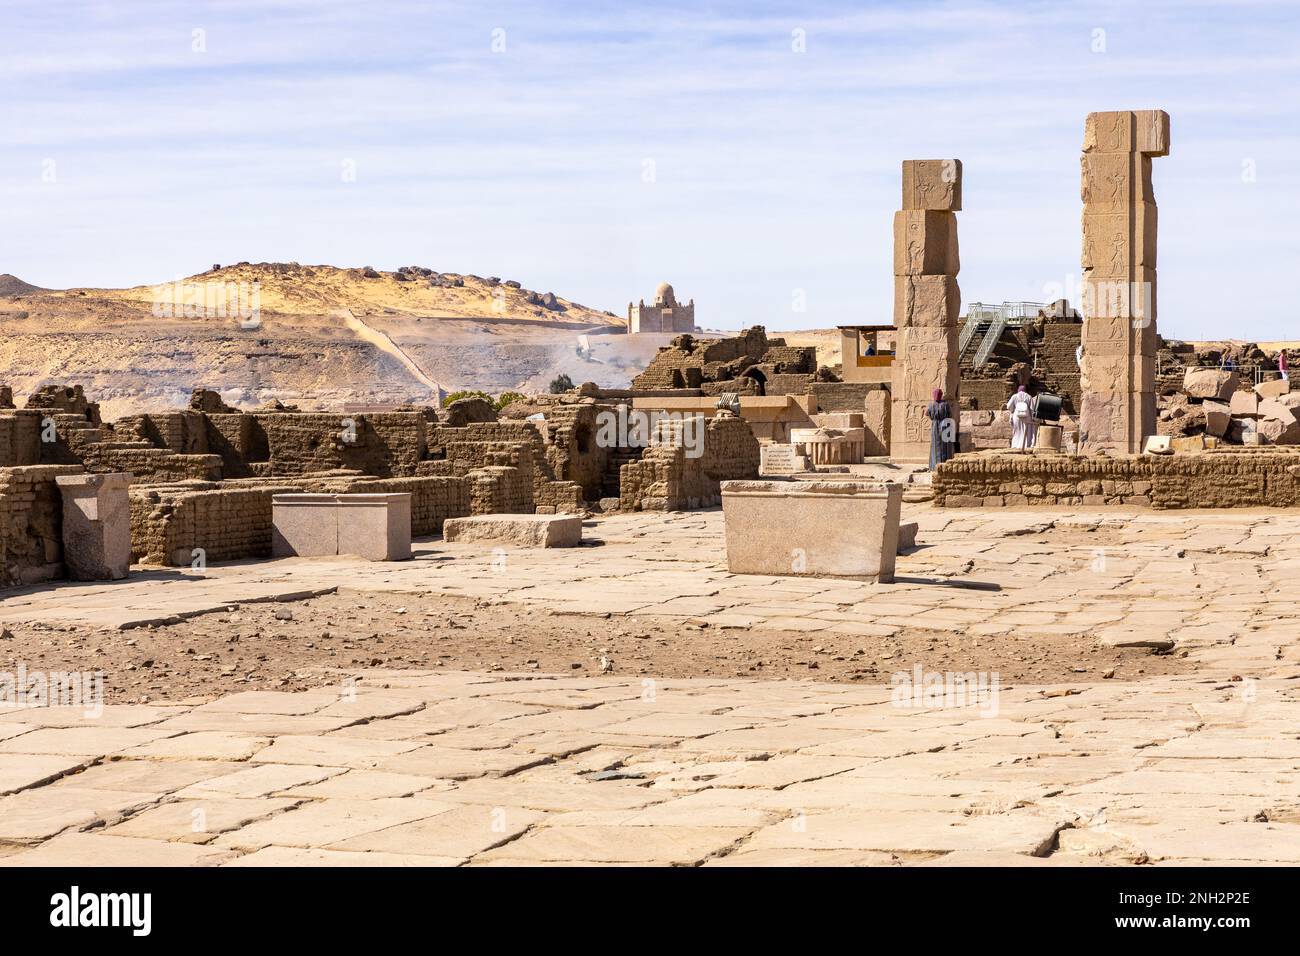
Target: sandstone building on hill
{"type": "Point", "coordinates": [664, 315]}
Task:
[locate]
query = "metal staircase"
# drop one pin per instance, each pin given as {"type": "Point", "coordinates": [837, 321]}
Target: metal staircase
{"type": "Point", "coordinates": [990, 340]}
{"type": "Point", "coordinates": [992, 320]}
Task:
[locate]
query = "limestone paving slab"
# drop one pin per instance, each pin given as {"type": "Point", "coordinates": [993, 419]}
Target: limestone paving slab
{"type": "Point", "coordinates": [714, 771]}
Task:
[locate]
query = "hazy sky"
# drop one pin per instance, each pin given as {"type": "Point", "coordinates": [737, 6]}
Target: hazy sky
{"type": "Point", "coordinates": [747, 152]}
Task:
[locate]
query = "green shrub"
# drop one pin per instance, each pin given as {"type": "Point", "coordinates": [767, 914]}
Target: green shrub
{"type": "Point", "coordinates": [468, 393]}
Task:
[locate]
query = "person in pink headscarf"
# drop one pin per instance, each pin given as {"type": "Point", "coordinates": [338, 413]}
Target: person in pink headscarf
{"type": "Point", "coordinates": [1023, 428]}
{"type": "Point", "coordinates": [943, 430]}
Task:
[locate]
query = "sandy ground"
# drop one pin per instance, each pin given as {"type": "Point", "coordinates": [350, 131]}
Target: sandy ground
{"type": "Point", "coordinates": [256, 647]}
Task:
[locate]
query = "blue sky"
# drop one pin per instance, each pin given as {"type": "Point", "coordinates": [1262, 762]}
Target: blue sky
{"type": "Point", "coordinates": [610, 146]}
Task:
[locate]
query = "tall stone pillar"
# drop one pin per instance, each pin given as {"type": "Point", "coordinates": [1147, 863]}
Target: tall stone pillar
{"type": "Point", "coordinates": [927, 302]}
{"type": "Point", "coordinates": [1118, 376]}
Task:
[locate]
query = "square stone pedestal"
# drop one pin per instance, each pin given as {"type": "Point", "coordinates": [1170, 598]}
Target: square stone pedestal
{"type": "Point", "coordinates": [815, 528]}
{"type": "Point", "coordinates": [96, 526]}
{"type": "Point", "coordinates": [374, 527]}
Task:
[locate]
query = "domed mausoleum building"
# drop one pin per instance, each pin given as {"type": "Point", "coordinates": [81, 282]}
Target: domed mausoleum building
{"type": "Point", "coordinates": [665, 315]}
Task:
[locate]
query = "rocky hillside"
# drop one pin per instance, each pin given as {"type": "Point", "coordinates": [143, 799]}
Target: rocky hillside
{"type": "Point", "coordinates": [310, 335]}
{"type": "Point", "coordinates": [13, 286]}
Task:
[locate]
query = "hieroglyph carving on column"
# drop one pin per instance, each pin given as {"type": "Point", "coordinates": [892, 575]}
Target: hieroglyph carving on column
{"type": "Point", "coordinates": [927, 301]}
{"type": "Point", "coordinates": [1118, 409]}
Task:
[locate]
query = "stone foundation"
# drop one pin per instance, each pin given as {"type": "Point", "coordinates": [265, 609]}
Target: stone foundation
{"type": "Point", "coordinates": [1222, 478]}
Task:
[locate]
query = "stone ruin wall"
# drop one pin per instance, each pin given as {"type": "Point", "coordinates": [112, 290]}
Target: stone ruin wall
{"type": "Point", "coordinates": [1047, 355]}
{"type": "Point", "coordinates": [666, 479]}
{"type": "Point", "coordinates": [232, 520]}
{"type": "Point", "coordinates": [1223, 478]}
{"type": "Point", "coordinates": [169, 522]}
{"type": "Point", "coordinates": [719, 365]}
{"type": "Point", "coordinates": [203, 478]}
{"type": "Point", "coordinates": [31, 524]}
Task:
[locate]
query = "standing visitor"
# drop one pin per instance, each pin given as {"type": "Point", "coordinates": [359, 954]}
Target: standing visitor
{"type": "Point", "coordinates": [1021, 406]}
{"type": "Point", "coordinates": [1282, 365]}
{"type": "Point", "coordinates": [941, 429]}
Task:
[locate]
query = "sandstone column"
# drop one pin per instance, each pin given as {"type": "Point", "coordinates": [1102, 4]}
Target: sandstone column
{"type": "Point", "coordinates": [926, 302]}
{"type": "Point", "coordinates": [1119, 278]}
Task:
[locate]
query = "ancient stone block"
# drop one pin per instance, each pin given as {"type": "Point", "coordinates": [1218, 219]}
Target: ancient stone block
{"type": "Point", "coordinates": [1278, 423]}
{"type": "Point", "coordinates": [907, 535]}
{"type": "Point", "coordinates": [1215, 383]}
{"type": "Point", "coordinates": [523, 531]}
{"type": "Point", "coordinates": [376, 527]}
{"type": "Point", "coordinates": [1189, 444]}
{"type": "Point", "coordinates": [1118, 237]}
{"type": "Point", "coordinates": [926, 300]}
{"type": "Point", "coordinates": [1244, 403]}
{"type": "Point", "coordinates": [1218, 417]}
{"type": "Point", "coordinates": [876, 424]}
{"type": "Point", "coordinates": [96, 526]}
{"type": "Point", "coordinates": [932, 184]}
{"type": "Point", "coordinates": [925, 243]}
{"type": "Point", "coordinates": [304, 526]}
{"type": "Point", "coordinates": [1115, 178]}
{"type": "Point", "coordinates": [1273, 389]}
{"type": "Point", "coordinates": [844, 529]}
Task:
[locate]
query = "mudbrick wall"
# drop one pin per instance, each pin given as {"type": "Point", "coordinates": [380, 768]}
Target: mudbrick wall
{"type": "Point", "coordinates": [1047, 347]}
{"type": "Point", "coordinates": [1223, 478]}
{"type": "Point", "coordinates": [148, 464]}
{"type": "Point", "coordinates": [31, 524]}
{"type": "Point", "coordinates": [232, 520]}
{"type": "Point", "coordinates": [690, 362]}
{"type": "Point", "coordinates": [386, 445]}
{"type": "Point", "coordinates": [667, 479]}
{"type": "Point", "coordinates": [228, 521]}
{"type": "Point", "coordinates": [20, 438]}
{"type": "Point", "coordinates": [842, 396]}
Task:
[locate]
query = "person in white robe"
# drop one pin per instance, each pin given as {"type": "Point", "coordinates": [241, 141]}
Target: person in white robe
{"type": "Point", "coordinates": [1023, 427]}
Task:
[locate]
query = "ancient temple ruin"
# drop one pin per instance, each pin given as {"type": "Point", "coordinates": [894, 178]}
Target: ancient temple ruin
{"type": "Point", "coordinates": [927, 300]}
{"type": "Point", "coordinates": [1119, 277]}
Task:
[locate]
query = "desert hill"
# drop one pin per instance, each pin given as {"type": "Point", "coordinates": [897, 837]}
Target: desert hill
{"type": "Point", "coordinates": [322, 337]}
{"type": "Point", "coordinates": [12, 285]}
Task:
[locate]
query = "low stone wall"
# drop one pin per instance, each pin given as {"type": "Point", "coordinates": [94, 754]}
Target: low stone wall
{"type": "Point", "coordinates": [1222, 478]}
{"type": "Point", "coordinates": [31, 523]}
{"type": "Point", "coordinates": [229, 521]}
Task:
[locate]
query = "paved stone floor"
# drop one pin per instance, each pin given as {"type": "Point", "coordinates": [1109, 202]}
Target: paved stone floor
{"type": "Point", "coordinates": [409, 767]}
{"type": "Point", "coordinates": [449, 769]}
{"type": "Point", "coordinates": [1223, 585]}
